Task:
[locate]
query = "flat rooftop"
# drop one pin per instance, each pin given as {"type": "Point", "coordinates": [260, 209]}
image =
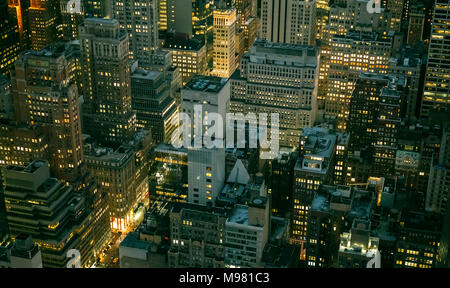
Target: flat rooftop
{"type": "Point", "coordinates": [319, 141]}
{"type": "Point", "coordinates": [132, 241]}
{"type": "Point", "coordinates": [239, 215]}
{"type": "Point", "coordinates": [283, 48]}
{"type": "Point", "coordinates": [146, 74]}
{"type": "Point", "coordinates": [206, 84]}
{"type": "Point", "coordinates": [320, 203]}
{"type": "Point", "coordinates": [31, 168]}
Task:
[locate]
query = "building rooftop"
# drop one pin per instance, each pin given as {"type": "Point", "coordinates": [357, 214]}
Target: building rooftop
{"type": "Point", "coordinates": [318, 146]}
{"type": "Point", "coordinates": [320, 203]}
{"type": "Point", "coordinates": [361, 204]}
{"type": "Point", "coordinates": [146, 74]}
{"type": "Point", "coordinates": [280, 256]}
{"type": "Point", "coordinates": [206, 84]}
{"type": "Point", "coordinates": [132, 241]}
{"type": "Point", "coordinates": [239, 215]}
{"type": "Point", "coordinates": [362, 36]}
{"type": "Point", "coordinates": [283, 48]}
{"type": "Point", "coordinates": [281, 54]}
{"type": "Point", "coordinates": [231, 193]}
{"type": "Point", "coordinates": [318, 142]}
{"type": "Point", "coordinates": [53, 50]}
{"type": "Point", "coordinates": [177, 207]}
{"type": "Point", "coordinates": [108, 155]}
{"type": "Point", "coordinates": [183, 43]}
{"type": "Point", "coordinates": [30, 168]}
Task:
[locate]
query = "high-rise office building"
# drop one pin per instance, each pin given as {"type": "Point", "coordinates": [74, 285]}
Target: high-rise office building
{"type": "Point", "coordinates": [122, 175]}
{"type": "Point", "coordinates": [72, 15]}
{"type": "Point", "coordinates": [206, 174]}
{"type": "Point", "coordinates": [224, 59]}
{"type": "Point", "coordinates": [49, 211]}
{"type": "Point", "coordinates": [20, 144]}
{"type": "Point", "coordinates": [247, 22]}
{"type": "Point", "coordinates": [168, 174]}
{"type": "Point", "coordinates": [345, 16]}
{"type": "Point", "coordinates": [357, 246]}
{"type": "Point", "coordinates": [163, 14]}
{"type": "Point", "coordinates": [408, 65]}
{"type": "Point", "coordinates": [6, 101]}
{"type": "Point", "coordinates": [45, 95]}
{"type": "Point", "coordinates": [247, 233]}
{"type": "Point", "coordinates": [279, 181]}
{"type": "Point", "coordinates": [153, 103]}
{"type": "Point", "coordinates": [193, 18]}
{"type": "Point", "coordinates": [436, 93]}
{"type": "Point", "coordinates": [387, 127]}
{"type": "Point", "coordinates": [139, 20]}
{"type": "Point", "coordinates": [313, 168]}
{"type": "Point", "coordinates": [39, 22]}
{"type": "Point", "coordinates": [197, 236]}
{"type": "Point", "coordinates": [189, 55]}
{"type": "Point", "coordinates": [19, 11]}
{"type": "Point", "coordinates": [278, 78]}
{"type": "Point", "coordinates": [350, 55]}
{"type": "Point", "coordinates": [418, 146]}
{"type": "Point", "coordinates": [97, 8]}
{"type": "Point", "coordinates": [323, 14]}
{"type": "Point", "coordinates": [364, 109]}
{"type": "Point", "coordinates": [44, 19]}
{"type": "Point", "coordinates": [419, 238]}
{"type": "Point", "coordinates": [204, 95]}
{"type": "Point", "coordinates": [374, 118]}
{"type": "Point", "coordinates": [289, 21]}
{"type": "Point", "coordinates": [319, 241]}
{"type": "Point", "coordinates": [9, 33]}
{"type": "Point", "coordinates": [48, 124]}
{"type": "Point", "coordinates": [416, 23]}
{"type": "Point", "coordinates": [107, 111]}
{"type": "Point", "coordinates": [395, 13]}
{"type": "Point", "coordinates": [439, 181]}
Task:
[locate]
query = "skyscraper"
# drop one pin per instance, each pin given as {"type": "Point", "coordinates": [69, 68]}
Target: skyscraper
{"type": "Point", "coordinates": [97, 9]}
{"type": "Point", "coordinates": [416, 23]}
{"type": "Point", "coordinates": [197, 236]}
{"type": "Point", "coordinates": [436, 93]}
{"type": "Point", "coordinates": [44, 19]}
{"type": "Point", "coordinates": [224, 59]}
{"type": "Point", "coordinates": [247, 233]}
{"type": "Point", "coordinates": [72, 15]}
{"type": "Point", "coordinates": [50, 211]}
{"type": "Point", "coordinates": [289, 21]}
{"type": "Point", "coordinates": [10, 44]}
{"type": "Point", "coordinates": [439, 181]}
{"type": "Point", "coordinates": [45, 95]}
{"type": "Point", "coordinates": [47, 112]}
{"type": "Point", "coordinates": [107, 111]}
{"type": "Point", "coordinates": [313, 168]}
{"type": "Point", "coordinates": [154, 104]}
{"type": "Point", "coordinates": [190, 55]}
{"type": "Point", "coordinates": [352, 54]}
{"type": "Point", "coordinates": [139, 20]}
{"type": "Point", "coordinates": [206, 167]}
{"type": "Point", "coordinates": [278, 78]}
{"type": "Point", "coordinates": [374, 118]}
{"type": "Point", "coordinates": [6, 101]}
